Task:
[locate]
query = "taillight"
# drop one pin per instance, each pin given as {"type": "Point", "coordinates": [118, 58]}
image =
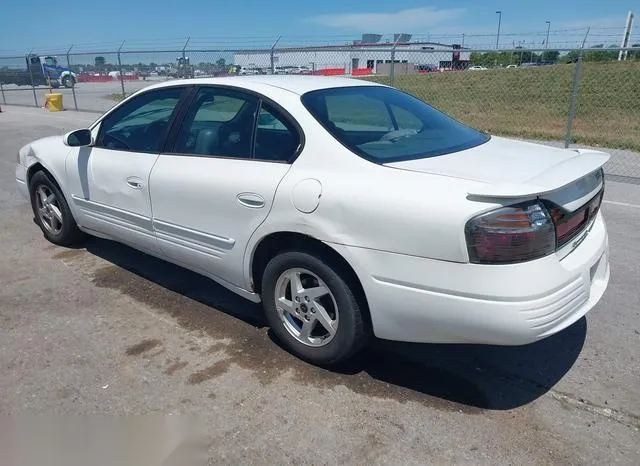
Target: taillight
{"type": "Point", "coordinates": [511, 234]}
{"type": "Point", "coordinates": [569, 224]}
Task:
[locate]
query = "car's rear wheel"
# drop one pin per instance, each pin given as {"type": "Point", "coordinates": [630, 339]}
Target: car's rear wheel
{"type": "Point", "coordinates": [52, 212]}
{"type": "Point", "coordinates": [311, 308]}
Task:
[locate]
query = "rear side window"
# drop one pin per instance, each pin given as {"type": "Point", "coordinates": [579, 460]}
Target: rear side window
{"type": "Point", "coordinates": [218, 123]}
{"type": "Point", "coordinates": [385, 125]}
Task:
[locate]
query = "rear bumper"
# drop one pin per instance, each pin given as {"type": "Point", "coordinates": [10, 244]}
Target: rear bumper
{"type": "Point", "coordinates": [423, 300]}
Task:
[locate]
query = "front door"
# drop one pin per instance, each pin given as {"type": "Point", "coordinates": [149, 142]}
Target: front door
{"type": "Point", "coordinates": [109, 181]}
{"type": "Point", "coordinates": [218, 183]}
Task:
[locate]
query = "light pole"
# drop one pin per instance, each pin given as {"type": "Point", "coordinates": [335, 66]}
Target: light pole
{"type": "Point", "coordinates": [546, 44]}
{"type": "Point", "coordinates": [499, 13]}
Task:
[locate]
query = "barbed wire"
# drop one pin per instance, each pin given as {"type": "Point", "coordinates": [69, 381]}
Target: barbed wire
{"type": "Point", "coordinates": [559, 38]}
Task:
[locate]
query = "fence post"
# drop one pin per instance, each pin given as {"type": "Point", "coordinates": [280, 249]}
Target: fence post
{"type": "Point", "coordinates": [124, 94]}
{"type": "Point", "coordinates": [4, 99]}
{"type": "Point", "coordinates": [185, 72]}
{"type": "Point", "coordinates": [272, 56]}
{"type": "Point", "coordinates": [73, 88]}
{"type": "Point", "coordinates": [574, 101]}
{"type": "Point", "coordinates": [392, 70]}
{"type": "Point", "coordinates": [33, 86]}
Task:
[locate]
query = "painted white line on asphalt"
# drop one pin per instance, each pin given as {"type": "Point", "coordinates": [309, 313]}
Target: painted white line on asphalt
{"type": "Point", "coordinates": [622, 204]}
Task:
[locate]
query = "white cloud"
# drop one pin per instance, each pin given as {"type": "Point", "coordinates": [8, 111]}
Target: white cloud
{"type": "Point", "coordinates": [404, 20]}
{"type": "Point", "coordinates": [594, 23]}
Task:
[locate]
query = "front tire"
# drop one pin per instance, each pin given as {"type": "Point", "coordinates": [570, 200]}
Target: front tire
{"type": "Point", "coordinates": [52, 212]}
{"type": "Point", "coordinates": [68, 82]}
{"type": "Point", "coordinates": [311, 308]}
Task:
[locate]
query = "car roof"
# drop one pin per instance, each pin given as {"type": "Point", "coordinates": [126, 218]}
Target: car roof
{"type": "Point", "coordinates": [296, 84]}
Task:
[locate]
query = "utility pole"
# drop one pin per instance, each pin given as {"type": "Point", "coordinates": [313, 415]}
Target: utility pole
{"type": "Point", "coordinates": [499, 13]}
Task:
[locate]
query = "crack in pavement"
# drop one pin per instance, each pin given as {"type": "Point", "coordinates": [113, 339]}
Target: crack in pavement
{"type": "Point", "coordinates": [628, 419]}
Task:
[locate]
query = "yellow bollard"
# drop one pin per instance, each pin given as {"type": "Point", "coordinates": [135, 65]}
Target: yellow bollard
{"type": "Point", "coordinates": [53, 102]}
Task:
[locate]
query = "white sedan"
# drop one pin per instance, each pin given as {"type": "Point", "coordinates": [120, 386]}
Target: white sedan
{"type": "Point", "coordinates": [348, 208]}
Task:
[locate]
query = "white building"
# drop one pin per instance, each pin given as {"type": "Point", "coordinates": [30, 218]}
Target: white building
{"type": "Point", "coordinates": [358, 55]}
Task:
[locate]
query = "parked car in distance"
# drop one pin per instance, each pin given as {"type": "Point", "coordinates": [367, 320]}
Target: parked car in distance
{"type": "Point", "coordinates": [477, 68]}
{"type": "Point", "coordinates": [348, 208]}
{"type": "Point", "coordinates": [511, 66]}
{"type": "Point", "coordinates": [427, 68]}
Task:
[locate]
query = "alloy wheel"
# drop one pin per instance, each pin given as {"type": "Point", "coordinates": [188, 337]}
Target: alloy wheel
{"type": "Point", "coordinates": [306, 307]}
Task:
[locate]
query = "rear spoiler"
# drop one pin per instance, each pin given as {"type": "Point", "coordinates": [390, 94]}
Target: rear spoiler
{"type": "Point", "coordinates": [585, 162]}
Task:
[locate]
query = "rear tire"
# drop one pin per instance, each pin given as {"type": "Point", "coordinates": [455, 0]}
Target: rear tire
{"type": "Point", "coordinates": [52, 212]}
{"type": "Point", "coordinates": [321, 323]}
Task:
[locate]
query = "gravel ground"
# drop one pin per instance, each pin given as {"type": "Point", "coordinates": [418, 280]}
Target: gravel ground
{"type": "Point", "coordinates": [105, 330]}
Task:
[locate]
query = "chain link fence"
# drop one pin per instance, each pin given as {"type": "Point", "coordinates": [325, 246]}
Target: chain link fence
{"type": "Point", "coordinates": [566, 97]}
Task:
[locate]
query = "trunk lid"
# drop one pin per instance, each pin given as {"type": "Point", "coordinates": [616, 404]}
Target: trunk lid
{"type": "Point", "coordinates": [506, 168]}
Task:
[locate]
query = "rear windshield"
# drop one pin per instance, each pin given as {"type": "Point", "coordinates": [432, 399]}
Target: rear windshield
{"type": "Point", "coordinates": [385, 125]}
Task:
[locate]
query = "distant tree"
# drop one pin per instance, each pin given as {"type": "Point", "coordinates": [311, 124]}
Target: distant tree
{"type": "Point", "coordinates": [493, 58]}
{"type": "Point", "coordinates": [634, 54]}
{"type": "Point", "coordinates": [572, 56]}
{"type": "Point", "coordinates": [550, 56]}
{"type": "Point", "coordinates": [99, 62]}
{"type": "Point", "coordinates": [221, 63]}
{"type": "Point", "coordinates": [601, 55]}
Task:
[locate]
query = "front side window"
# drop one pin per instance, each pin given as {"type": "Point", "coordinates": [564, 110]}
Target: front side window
{"type": "Point", "coordinates": [141, 124]}
{"type": "Point", "coordinates": [220, 122]}
{"type": "Point", "coordinates": [385, 125]}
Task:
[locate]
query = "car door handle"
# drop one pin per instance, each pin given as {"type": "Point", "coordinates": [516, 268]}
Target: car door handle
{"type": "Point", "coordinates": [134, 182]}
{"type": "Point", "coordinates": [251, 200]}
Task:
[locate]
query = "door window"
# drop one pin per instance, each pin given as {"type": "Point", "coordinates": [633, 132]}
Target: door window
{"type": "Point", "coordinates": [220, 122]}
{"type": "Point", "coordinates": [141, 124]}
{"type": "Point", "coordinates": [276, 137]}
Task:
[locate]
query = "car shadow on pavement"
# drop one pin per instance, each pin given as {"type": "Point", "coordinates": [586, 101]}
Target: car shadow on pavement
{"type": "Point", "coordinates": [483, 376]}
{"type": "Point", "coordinates": [473, 376]}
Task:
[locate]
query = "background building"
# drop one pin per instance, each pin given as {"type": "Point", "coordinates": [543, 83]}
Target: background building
{"type": "Point", "coordinates": [367, 53]}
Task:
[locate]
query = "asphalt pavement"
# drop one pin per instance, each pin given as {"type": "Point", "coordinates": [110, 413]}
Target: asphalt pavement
{"type": "Point", "coordinates": [105, 330]}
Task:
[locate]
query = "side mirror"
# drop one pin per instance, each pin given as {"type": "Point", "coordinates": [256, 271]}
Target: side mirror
{"type": "Point", "coordinates": [78, 138]}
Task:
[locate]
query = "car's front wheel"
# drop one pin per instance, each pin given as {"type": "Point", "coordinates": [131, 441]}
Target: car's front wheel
{"type": "Point", "coordinates": [68, 82]}
{"type": "Point", "coordinates": [311, 308]}
{"type": "Point", "coordinates": [52, 212]}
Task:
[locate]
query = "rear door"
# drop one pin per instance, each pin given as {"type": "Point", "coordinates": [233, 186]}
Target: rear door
{"type": "Point", "coordinates": [216, 183]}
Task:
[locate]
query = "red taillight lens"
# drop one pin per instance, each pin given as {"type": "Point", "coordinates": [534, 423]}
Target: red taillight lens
{"type": "Point", "coordinates": [511, 234]}
{"type": "Point", "coordinates": [569, 224]}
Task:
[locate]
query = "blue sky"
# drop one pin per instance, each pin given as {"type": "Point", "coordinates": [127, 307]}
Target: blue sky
{"type": "Point", "coordinates": [30, 24]}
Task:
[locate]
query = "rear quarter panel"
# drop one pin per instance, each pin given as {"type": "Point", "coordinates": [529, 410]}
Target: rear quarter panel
{"type": "Point", "coordinates": [366, 205]}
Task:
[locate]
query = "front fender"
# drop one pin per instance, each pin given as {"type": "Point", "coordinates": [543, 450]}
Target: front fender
{"type": "Point", "coordinates": [51, 155]}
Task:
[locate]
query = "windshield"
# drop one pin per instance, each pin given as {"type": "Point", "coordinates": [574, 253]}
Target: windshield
{"type": "Point", "coordinates": [385, 125]}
